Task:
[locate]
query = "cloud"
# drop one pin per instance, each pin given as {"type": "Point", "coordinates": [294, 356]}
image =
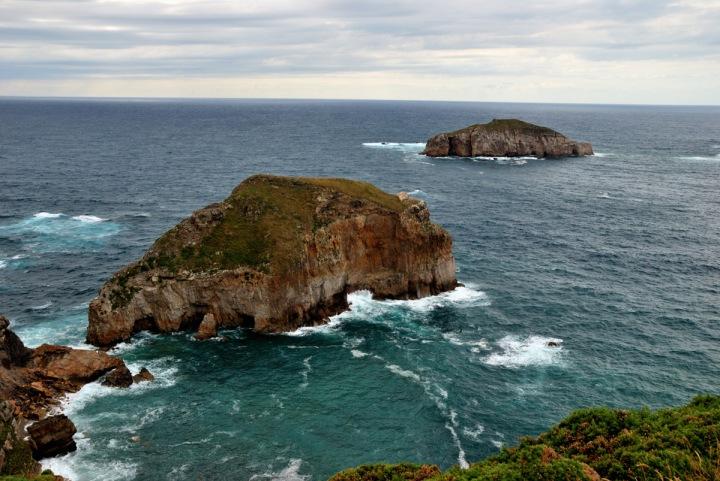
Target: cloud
{"type": "Point", "coordinates": [494, 42]}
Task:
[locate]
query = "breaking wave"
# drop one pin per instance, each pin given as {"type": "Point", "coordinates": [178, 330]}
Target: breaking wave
{"type": "Point", "coordinates": [415, 147]}
{"type": "Point", "coordinates": [518, 352]}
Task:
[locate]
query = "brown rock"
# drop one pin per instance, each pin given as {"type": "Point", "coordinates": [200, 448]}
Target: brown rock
{"type": "Point", "coordinates": [37, 378]}
{"type": "Point", "coordinates": [12, 350]}
{"type": "Point", "coordinates": [505, 138]}
{"type": "Point", "coordinates": [119, 377]}
{"type": "Point", "coordinates": [207, 329]}
{"type": "Point", "coordinates": [278, 254]}
{"type": "Point", "coordinates": [77, 365]}
{"type": "Point", "coordinates": [52, 436]}
{"type": "Point", "coordinates": [143, 376]}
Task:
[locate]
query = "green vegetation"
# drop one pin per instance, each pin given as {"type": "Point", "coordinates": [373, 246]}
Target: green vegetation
{"type": "Point", "coordinates": [508, 124]}
{"type": "Point", "coordinates": [263, 227]}
{"type": "Point", "coordinates": [676, 444]}
{"type": "Point", "coordinates": [18, 459]}
{"type": "Point", "coordinates": [39, 477]}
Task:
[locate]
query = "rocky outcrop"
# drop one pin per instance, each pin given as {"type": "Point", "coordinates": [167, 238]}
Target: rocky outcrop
{"type": "Point", "coordinates": [505, 138]}
{"type": "Point", "coordinates": [279, 253]}
{"type": "Point", "coordinates": [52, 436]}
{"type": "Point", "coordinates": [35, 379]}
{"type": "Point", "coordinates": [119, 377]}
{"type": "Point", "coordinates": [143, 376]}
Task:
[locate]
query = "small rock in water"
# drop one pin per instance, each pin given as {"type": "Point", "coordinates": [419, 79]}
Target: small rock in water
{"type": "Point", "coordinates": [143, 376]}
{"type": "Point", "coordinates": [553, 344]}
{"type": "Point", "coordinates": [119, 377]}
{"type": "Point", "coordinates": [135, 439]}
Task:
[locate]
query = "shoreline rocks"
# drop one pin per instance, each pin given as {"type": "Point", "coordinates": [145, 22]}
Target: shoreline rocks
{"type": "Point", "coordinates": [505, 138]}
{"type": "Point", "coordinates": [52, 436]}
{"type": "Point", "coordinates": [278, 254]}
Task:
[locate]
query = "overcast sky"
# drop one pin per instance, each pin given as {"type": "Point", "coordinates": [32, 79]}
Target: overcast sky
{"type": "Point", "coordinates": [611, 51]}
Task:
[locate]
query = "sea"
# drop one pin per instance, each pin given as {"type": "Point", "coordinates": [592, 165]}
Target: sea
{"type": "Point", "coordinates": [587, 281]}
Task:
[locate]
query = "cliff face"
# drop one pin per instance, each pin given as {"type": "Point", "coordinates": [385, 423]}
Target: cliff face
{"type": "Point", "coordinates": [505, 138]}
{"type": "Point", "coordinates": [279, 253]}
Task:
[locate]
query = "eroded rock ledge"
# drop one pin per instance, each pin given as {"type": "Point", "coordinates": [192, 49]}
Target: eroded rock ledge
{"type": "Point", "coordinates": [277, 254]}
{"type": "Point", "coordinates": [505, 138]}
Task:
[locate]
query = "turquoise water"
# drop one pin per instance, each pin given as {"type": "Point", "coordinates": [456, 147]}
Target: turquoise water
{"type": "Point", "coordinates": [615, 257]}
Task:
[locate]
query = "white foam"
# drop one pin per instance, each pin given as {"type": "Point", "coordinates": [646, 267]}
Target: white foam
{"type": "Point", "coordinates": [603, 154]}
{"type": "Point", "coordinates": [462, 461]}
{"type": "Point", "coordinates": [518, 351]}
{"type": "Point", "coordinates": [475, 344]}
{"type": "Point", "coordinates": [47, 215]}
{"type": "Point", "coordinates": [307, 369]}
{"type": "Point", "coordinates": [403, 372]}
{"type": "Point", "coordinates": [604, 195]}
{"type": "Point", "coordinates": [418, 192]}
{"type": "Point", "coordinates": [475, 433]}
{"type": "Point", "coordinates": [402, 146]}
{"type": "Point", "coordinates": [701, 157]}
{"type": "Point", "coordinates": [290, 473]}
{"type": "Point", "coordinates": [90, 219]}
{"type": "Point", "coordinates": [496, 443]}
{"type": "Point", "coordinates": [463, 295]}
{"type": "Point", "coordinates": [42, 307]}
{"type": "Point", "coordinates": [330, 326]}
{"type": "Point", "coordinates": [3, 264]}
{"type": "Point", "coordinates": [358, 354]}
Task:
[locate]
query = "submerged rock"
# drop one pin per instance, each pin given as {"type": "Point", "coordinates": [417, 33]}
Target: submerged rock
{"type": "Point", "coordinates": [52, 436]}
{"type": "Point", "coordinates": [278, 254]}
{"type": "Point", "coordinates": [505, 138]}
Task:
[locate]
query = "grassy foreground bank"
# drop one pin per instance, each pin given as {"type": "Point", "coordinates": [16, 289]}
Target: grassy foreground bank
{"type": "Point", "coordinates": [674, 444]}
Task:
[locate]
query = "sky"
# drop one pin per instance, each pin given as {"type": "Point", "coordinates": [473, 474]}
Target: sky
{"type": "Point", "coordinates": [588, 51]}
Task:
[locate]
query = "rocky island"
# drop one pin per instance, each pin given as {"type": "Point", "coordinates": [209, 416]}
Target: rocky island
{"type": "Point", "coordinates": [279, 253]}
{"type": "Point", "coordinates": [505, 138]}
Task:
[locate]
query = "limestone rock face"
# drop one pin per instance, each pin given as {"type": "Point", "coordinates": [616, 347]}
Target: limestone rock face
{"type": "Point", "coordinates": [52, 436]}
{"type": "Point", "coordinates": [207, 329]}
{"type": "Point", "coordinates": [505, 138]}
{"type": "Point", "coordinates": [278, 254]}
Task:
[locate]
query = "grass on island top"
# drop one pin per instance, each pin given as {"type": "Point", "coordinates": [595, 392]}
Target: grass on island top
{"type": "Point", "coordinates": [265, 225]}
{"type": "Point", "coordinates": [675, 444]}
{"type": "Point", "coordinates": [497, 125]}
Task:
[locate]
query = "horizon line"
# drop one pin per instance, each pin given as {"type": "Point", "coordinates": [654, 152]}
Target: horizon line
{"type": "Point", "coordinates": [332, 99]}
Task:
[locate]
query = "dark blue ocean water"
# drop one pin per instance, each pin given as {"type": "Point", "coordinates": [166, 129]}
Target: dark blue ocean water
{"type": "Point", "coordinates": [617, 256]}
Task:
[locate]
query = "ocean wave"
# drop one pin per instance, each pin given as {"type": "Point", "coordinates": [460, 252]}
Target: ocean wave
{"type": "Point", "coordinates": [401, 146]}
{"type": "Point", "coordinates": [603, 154]}
{"type": "Point", "coordinates": [3, 264]}
{"type": "Point", "coordinates": [518, 352]}
{"type": "Point", "coordinates": [56, 232]}
{"type": "Point", "coordinates": [290, 473]}
{"type": "Point", "coordinates": [394, 368]}
{"type": "Point", "coordinates": [475, 344]}
{"type": "Point", "coordinates": [42, 307]}
{"type": "Point", "coordinates": [700, 157]}
{"type": "Point", "coordinates": [358, 354]}
{"type": "Point", "coordinates": [47, 215]}
{"type": "Point", "coordinates": [90, 219]}
{"type": "Point", "coordinates": [83, 468]}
